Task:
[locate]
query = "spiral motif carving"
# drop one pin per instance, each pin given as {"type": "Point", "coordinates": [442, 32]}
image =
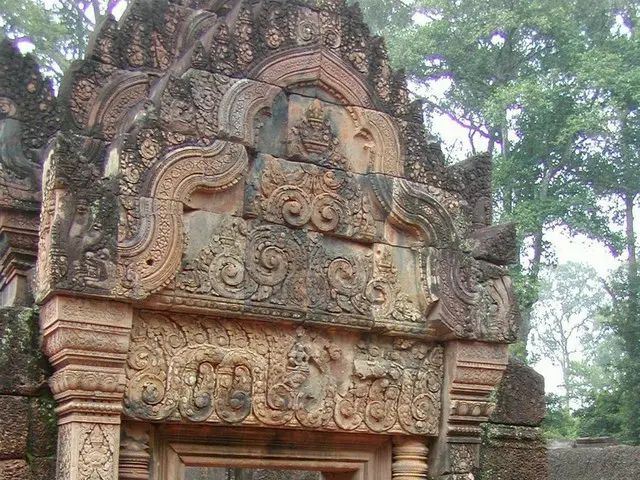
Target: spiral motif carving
{"type": "Point", "coordinates": [327, 212]}
{"type": "Point", "coordinates": [298, 195]}
{"type": "Point", "coordinates": [268, 259]}
{"type": "Point", "coordinates": [345, 277]}
{"type": "Point", "coordinates": [307, 31]}
{"type": "Point", "coordinates": [293, 204]}
{"type": "Point", "coordinates": [424, 413]}
{"type": "Point", "coordinates": [227, 276]}
{"type": "Point", "coordinates": [332, 39]}
{"type": "Point", "coordinates": [381, 410]}
{"type": "Point", "coordinates": [149, 390]}
{"type": "Point", "coordinates": [381, 295]}
{"type": "Point", "coordinates": [235, 381]}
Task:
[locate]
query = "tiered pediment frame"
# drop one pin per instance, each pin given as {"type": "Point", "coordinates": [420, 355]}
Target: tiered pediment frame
{"type": "Point", "coordinates": [243, 217]}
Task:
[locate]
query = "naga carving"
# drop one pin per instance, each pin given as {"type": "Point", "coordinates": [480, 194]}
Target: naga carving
{"type": "Point", "coordinates": [230, 372]}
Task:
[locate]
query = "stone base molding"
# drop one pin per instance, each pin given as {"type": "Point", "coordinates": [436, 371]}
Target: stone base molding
{"type": "Point", "coordinates": [87, 343]}
{"type": "Point", "coordinates": [409, 458]}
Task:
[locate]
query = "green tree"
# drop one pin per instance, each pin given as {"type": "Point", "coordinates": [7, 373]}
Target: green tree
{"type": "Point", "coordinates": [510, 70]}
{"type": "Point", "coordinates": [571, 296]}
{"type": "Point", "coordinates": [558, 421]}
{"type": "Point", "coordinates": [57, 31]}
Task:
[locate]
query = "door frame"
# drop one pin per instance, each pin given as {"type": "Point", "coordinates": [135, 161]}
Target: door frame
{"type": "Point", "coordinates": [339, 456]}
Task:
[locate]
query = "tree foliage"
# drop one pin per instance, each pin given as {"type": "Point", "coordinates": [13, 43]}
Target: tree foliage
{"type": "Point", "coordinates": [552, 89]}
{"type": "Point", "coordinates": [57, 31]}
{"type": "Point", "coordinates": [571, 297]}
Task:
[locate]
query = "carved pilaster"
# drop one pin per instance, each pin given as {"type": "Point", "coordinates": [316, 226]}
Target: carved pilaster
{"type": "Point", "coordinates": [472, 371]}
{"type": "Point", "coordinates": [134, 451]}
{"type": "Point", "coordinates": [409, 458]}
{"type": "Point", "coordinates": [87, 343]}
{"type": "Point", "coordinates": [18, 250]}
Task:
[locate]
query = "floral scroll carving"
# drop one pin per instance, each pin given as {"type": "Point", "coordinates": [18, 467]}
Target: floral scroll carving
{"type": "Point", "coordinates": [223, 371]}
{"type": "Point", "coordinates": [151, 258]}
{"type": "Point", "coordinates": [249, 261]}
{"type": "Point", "coordinates": [330, 201]}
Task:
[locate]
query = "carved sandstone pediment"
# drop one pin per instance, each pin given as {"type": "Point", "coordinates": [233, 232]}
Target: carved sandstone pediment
{"type": "Point", "coordinates": [244, 224]}
{"type": "Point", "coordinates": [298, 192]}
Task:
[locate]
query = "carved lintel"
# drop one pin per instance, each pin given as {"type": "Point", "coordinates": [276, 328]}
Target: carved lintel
{"type": "Point", "coordinates": [409, 458]}
{"type": "Point", "coordinates": [204, 369]}
{"type": "Point", "coordinates": [134, 451]}
{"type": "Point", "coordinates": [87, 342]}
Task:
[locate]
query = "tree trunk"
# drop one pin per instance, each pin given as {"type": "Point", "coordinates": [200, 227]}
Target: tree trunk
{"type": "Point", "coordinates": [526, 307]}
{"type": "Point", "coordinates": [632, 261]}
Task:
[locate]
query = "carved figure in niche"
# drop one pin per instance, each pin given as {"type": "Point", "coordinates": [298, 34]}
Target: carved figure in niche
{"type": "Point", "coordinates": [15, 161]}
{"type": "Point", "coordinates": [314, 139]}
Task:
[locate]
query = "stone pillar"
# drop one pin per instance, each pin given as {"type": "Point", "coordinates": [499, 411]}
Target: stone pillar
{"type": "Point", "coordinates": [18, 250]}
{"type": "Point", "coordinates": [472, 371]}
{"type": "Point", "coordinates": [134, 451]}
{"type": "Point", "coordinates": [87, 342]}
{"type": "Point", "coordinates": [409, 458]}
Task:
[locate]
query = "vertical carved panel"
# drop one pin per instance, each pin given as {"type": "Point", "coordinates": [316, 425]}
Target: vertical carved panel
{"type": "Point", "coordinates": [87, 451]}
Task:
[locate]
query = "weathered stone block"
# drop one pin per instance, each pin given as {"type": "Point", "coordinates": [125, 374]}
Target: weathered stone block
{"type": "Point", "coordinates": [620, 462]}
{"type": "Point", "coordinates": [14, 470]}
{"type": "Point", "coordinates": [43, 468]}
{"type": "Point", "coordinates": [513, 453]}
{"type": "Point", "coordinates": [42, 427]}
{"type": "Point", "coordinates": [496, 244]}
{"type": "Point", "coordinates": [14, 426]}
{"type": "Point", "coordinates": [22, 366]}
{"type": "Point", "coordinates": [520, 398]}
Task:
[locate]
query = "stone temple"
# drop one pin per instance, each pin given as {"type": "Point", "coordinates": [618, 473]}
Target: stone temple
{"type": "Point", "coordinates": [251, 262]}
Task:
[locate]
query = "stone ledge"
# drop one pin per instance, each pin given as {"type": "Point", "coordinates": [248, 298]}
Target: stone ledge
{"type": "Point", "coordinates": [612, 463]}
